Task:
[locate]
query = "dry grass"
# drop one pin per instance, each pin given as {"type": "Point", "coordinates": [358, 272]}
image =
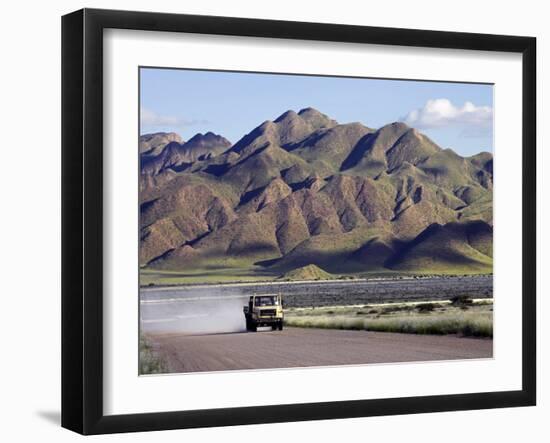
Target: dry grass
{"type": "Point", "coordinates": [149, 362]}
{"type": "Point", "coordinates": [440, 319]}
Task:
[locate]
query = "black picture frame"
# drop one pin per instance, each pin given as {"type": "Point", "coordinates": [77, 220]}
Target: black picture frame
{"type": "Point", "coordinates": [82, 218]}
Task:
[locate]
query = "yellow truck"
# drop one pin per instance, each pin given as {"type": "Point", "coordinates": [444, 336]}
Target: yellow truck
{"type": "Point", "coordinates": [264, 310]}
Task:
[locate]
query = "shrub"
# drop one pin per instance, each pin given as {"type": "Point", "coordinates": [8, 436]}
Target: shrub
{"type": "Point", "coordinates": [459, 300]}
{"type": "Point", "coordinates": [425, 307]}
{"type": "Point", "coordinates": [390, 309]}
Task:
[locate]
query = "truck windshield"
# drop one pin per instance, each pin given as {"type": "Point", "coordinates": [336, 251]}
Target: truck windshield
{"type": "Point", "coordinates": [266, 301]}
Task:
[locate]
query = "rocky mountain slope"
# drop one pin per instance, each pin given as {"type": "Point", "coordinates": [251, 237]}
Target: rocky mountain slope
{"type": "Point", "coordinates": [305, 190]}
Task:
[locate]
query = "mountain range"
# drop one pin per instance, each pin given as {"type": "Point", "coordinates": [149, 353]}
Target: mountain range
{"type": "Point", "coordinates": [304, 190]}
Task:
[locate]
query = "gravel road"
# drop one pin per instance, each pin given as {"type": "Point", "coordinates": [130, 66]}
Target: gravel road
{"type": "Point", "coordinates": [296, 347]}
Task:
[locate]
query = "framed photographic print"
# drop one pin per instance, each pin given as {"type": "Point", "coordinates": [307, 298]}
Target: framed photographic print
{"type": "Point", "coordinates": [269, 221]}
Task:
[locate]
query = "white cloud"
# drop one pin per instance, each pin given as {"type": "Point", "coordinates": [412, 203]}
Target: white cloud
{"type": "Point", "coordinates": [151, 118]}
{"type": "Point", "coordinates": [442, 112]}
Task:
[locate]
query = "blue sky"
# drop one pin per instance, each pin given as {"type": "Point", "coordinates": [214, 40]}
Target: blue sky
{"type": "Point", "coordinates": [454, 115]}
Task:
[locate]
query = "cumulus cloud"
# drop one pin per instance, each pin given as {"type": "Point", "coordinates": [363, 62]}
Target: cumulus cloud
{"type": "Point", "coordinates": [442, 112]}
{"type": "Point", "coordinates": [151, 118]}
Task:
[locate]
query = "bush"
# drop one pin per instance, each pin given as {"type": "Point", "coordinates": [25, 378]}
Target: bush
{"type": "Point", "coordinates": [460, 300]}
{"type": "Point", "coordinates": [424, 308]}
{"type": "Point", "coordinates": [390, 309]}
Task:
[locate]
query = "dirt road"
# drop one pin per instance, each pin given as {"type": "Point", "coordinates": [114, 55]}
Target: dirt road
{"type": "Point", "coordinates": [296, 347]}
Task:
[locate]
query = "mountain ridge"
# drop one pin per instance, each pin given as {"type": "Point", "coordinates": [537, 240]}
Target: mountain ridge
{"type": "Point", "coordinates": [303, 189]}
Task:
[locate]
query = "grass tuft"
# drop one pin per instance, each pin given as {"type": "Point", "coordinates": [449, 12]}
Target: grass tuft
{"type": "Point", "coordinates": [149, 362]}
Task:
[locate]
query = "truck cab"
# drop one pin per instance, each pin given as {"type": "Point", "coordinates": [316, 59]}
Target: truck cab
{"type": "Point", "coordinates": [264, 310]}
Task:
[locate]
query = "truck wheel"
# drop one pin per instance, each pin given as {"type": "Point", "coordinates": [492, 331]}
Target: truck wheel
{"type": "Point", "coordinates": [281, 325]}
{"type": "Point", "coordinates": [274, 327]}
{"type": "Point", "coordinates": [253, 327]}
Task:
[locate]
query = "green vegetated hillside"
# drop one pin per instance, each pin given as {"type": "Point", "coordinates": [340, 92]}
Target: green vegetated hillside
{"type": "Point", "coordinates": [303, 197]}
{"type": "Point", "coordinates": [309, 272]}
